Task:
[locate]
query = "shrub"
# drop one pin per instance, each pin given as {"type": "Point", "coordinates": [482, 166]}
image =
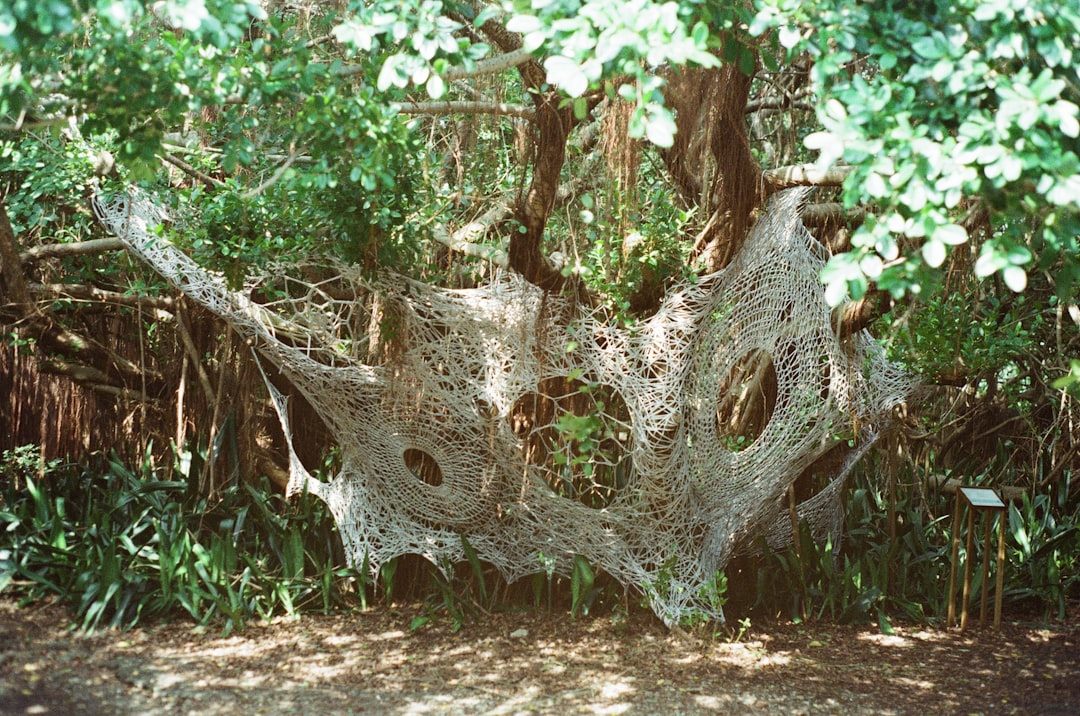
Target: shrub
{"type": "Point", "coordinates": [123, 544]}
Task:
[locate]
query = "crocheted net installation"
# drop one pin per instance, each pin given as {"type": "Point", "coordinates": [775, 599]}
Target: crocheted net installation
{"type": "Point", "coordinates": [538, 431]}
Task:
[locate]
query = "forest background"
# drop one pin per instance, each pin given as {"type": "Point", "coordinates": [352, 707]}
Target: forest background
{"type": "Point", "coordinates": [605, 149]}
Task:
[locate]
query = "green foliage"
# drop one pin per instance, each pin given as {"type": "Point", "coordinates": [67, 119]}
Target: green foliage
{"type": "Point", "coordinates": [627, 248]}
{"type": "Point", "coordinates": [53, 177]}
{"type": "Point", "coordinates": [945, 109]}
{"type": "Point", "coordinates": [460, 592]}
{"type": "Point", "coordinates": [110, 63]}
{"type": "Point", "coordinates": [589, 42]}
{"type": "Point", "coordinates": [951, 115]}
{"type": "Point", "coordinates": [871, 576]}
{"type": "Point", "coordinates": [444, 598]}
{"type": "Point", "coordinates": [1043, 546]}
{"type": "Point", "coordinates": [714, 593]}
{"type": "Point", "coordinates": [989, 334]}
{"type": "Point", "coordinates": [582, 589]}
{"type": "Point", "coordinates": [254, 79]}
{"type": "Point", "coordinates": [868, 575]}
{"type": "Point", "coordinates": [586, 43]}
{"type": "Point", "coordinates": [1071, 380]}
{"type": "Point", "coordinates": [126, 545]}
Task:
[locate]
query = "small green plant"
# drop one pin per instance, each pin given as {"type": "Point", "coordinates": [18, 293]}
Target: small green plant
{"type": "Point", "coordinates": [875, 576]}
{"type": "Point", "coordinates": [543, 582]}
{"type": "Point", "coordinates": [123, 544]}
{"type": "Point", "coordinates": [715, 592]}
{"type": "Point", "coordinates": [24, 460]}
{"type": "Point", "coordinates": [869, 575]}
{"type": "Point", "coordinates": [736, 635]}
{"type": "Point", "coordinates": [1044, 551]}
{"type": "Point", "coordinates": [459, 592]}
{"type": "Point", "coordinates": [582, 590]}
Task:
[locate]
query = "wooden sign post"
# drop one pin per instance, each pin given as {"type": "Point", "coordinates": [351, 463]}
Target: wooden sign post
{"type": "Point", "coordinates": [987, 501]}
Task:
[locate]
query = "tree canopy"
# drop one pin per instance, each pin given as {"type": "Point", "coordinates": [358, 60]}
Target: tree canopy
{"type": "Point", "coordinates": [950, 119]}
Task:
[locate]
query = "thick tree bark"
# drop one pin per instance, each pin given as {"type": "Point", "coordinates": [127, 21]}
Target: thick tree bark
{"type": "Point", "coordinates": [15, 290]}
{"type": "Point", "coordinates": [710, 161]}
{"type": "Point", "coordinates": [854, 316]}
{"type": "Point", "coordinates": [525, 251]}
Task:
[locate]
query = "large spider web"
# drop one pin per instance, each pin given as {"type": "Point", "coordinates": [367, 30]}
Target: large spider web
{"type": "Point", "coordinates": [538, 431]}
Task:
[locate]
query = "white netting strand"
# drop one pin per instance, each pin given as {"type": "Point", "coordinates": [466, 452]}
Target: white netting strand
{"type": "Point", "coordinates": [540, 429]}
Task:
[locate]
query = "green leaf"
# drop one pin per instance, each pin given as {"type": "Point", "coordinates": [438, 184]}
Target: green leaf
{"type": "Point", "coordinates": [1015, 278]}
{"type": "Point", "coordinates": [934, 253]}
{"type": "Point", "coordinates": [884, 625]}
{"type": "Point", "coordinates": [186, 14]}
{"type": "Point", "coordinates": [789, 36]}
{"type": "Point", "coordinates": [660, 128]}
{"type": "Point", "coordinates": [951, 234]}
{"type": "Point", "coordinates": [566, 74]}
{"type": "Point", "coordinates": [930, 47]}
{"type": "Point", "coordinates": [836, 291]}
{"type": "Point", "coordinates": [436, 88]}
{"type": "Point", "coordinates": [1069, 124]}
{"type": "Point", "coordinates": [524, 24]}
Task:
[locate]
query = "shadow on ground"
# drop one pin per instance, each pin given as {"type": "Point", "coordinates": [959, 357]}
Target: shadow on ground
{"type": "Point", "coordinates": [530, 663]}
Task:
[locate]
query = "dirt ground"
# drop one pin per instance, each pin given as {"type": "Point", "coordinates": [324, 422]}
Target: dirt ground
{"type": "Point", "coordinates": [370, 662]}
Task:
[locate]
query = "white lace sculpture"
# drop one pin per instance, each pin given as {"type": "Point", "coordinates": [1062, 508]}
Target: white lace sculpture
{"type": "Point", "coordinates": [432, 411]}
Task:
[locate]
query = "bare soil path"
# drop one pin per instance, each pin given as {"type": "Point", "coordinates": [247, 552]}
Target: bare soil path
{"type": "Point", "coordinates": [371, 663]}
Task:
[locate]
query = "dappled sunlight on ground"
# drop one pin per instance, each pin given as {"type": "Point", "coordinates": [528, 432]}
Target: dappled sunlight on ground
{"type": "Point", "coordinates": [530, 662]}
{"type": "Point", "coordinates": [890, 640]}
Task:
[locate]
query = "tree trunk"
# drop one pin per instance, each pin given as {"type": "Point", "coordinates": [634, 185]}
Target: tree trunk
{"type": "Point", "coordinates": [525, 253]}
{"type": "Point", "coordinates": [710, 161]}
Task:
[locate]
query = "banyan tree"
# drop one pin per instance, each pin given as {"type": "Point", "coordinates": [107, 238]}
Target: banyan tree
{"type": "Point", "coordinates": [617, 346]}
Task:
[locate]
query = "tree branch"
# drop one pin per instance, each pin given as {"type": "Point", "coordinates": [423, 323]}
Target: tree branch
{"type": "Point", "coordinates": [490, 65]}
{"type": "Point", "coordinates": [464, 239]}
{"type": "Point", "coordinates": [465, 107]}
{"type": "Point", "coordinates": [81, 292]}
{"type": "Point", "coordinates": [274, 178]}
{"type": "Point", "coordinates": [852, 317]}
{"type": "Point", "coordinates": [802, 175]}
{"type": "Point", "coordinates": [21, 124]}
{"type": "Point", "coordinates": [192, 171]}
{"type": "Point", "coordinates": [455, 242]}
{"type": "Point", "coordinates": [76, 248]}
{"type": "Point", "coordinates": [510, 43]}
{"type": "Point", "coordinates": [92, 378]}
{"type": "Point", "coordinates": [487, 66]}
{"type": "Point", "coordinates": [710, 161]}
{"type": "Point", "coordinates": [818, 214]}
{"type": "Point", "coordinates": [41, 326]}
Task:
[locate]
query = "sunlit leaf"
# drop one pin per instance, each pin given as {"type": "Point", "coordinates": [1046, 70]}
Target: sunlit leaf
{"type": "Point", "coordinates": [567, 75]}
{"type": "Point", "coordinates": [934, 253]}
{"type": "Point", "coordinates": [1015, 278]}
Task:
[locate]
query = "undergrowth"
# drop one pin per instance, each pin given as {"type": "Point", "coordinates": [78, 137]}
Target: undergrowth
{"type": "Point", "coordinates": [124, 544]}
{"type": "Point", "coordinates": [870, 575]}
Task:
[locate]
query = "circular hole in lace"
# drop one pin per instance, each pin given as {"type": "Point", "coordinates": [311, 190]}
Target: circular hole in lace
{"type": "Point", "coordinates": [746, 399]}
{"type": "Point", "coordinates": [423, 466]}
{"type": "Point", "coordinates": [579, 433]}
